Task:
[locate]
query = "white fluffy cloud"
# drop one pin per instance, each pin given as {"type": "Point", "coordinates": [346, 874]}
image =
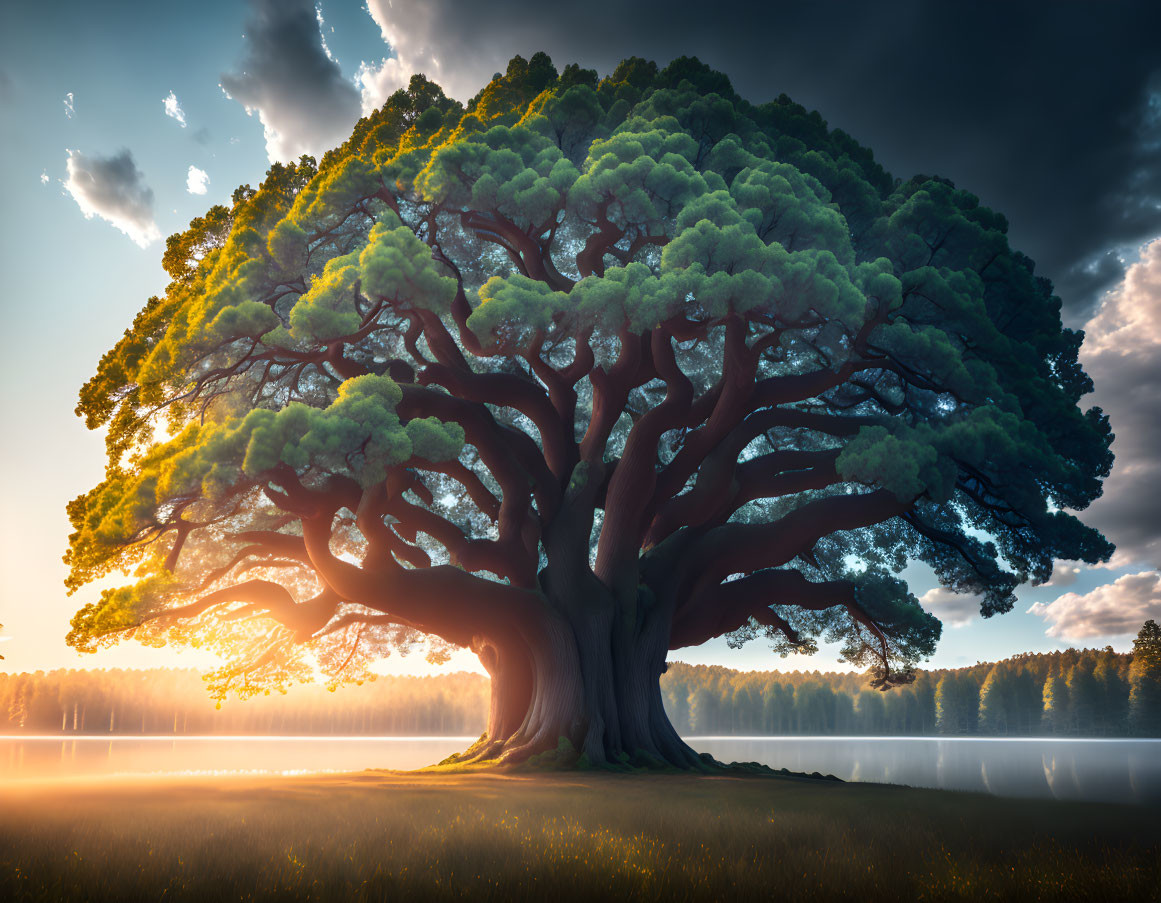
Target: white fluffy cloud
{"type": "Point", "coordinates": [197, 181]}
{"type": "Point", "coordinates": [378, 81]}
{"type": "Point", "coordinates": [44, 179]}
{"type": "Point", "coordinates": [173, 108]}
{"type": "Point", "coordinates": [70, 110]}
{"type": "Point", "coordinates": [114, 189]}
{"type": "Point", "coordinates": [461, 44]}
{"type": "Point", "coordinates": [1129, 319]}
{"type": "Point", "coordinates": [1115, 609]}
{"type": "Point", "coordinates": [953, 609]}
{"type": "Point", "coordinates": [1064, 574]}
{"type": "Point", "coordinates": [1122, 354]}
{"type": "Point", "coordinates": [411, 29]}
{"type": "Point", "coordinates": [287, 77]}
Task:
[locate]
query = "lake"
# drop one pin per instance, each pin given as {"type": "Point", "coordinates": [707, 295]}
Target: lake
{"type": "Point", "coordinates": [1127, 771]}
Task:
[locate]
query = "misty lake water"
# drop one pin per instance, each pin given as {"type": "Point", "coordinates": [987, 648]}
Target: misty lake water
{"type": "Point", "coordinates": [1125, 771]}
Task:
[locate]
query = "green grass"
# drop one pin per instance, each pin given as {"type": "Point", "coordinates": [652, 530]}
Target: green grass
{"type": "Point", "coordinates": [561, 837]}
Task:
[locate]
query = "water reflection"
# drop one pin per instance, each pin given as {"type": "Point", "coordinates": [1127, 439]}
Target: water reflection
{"type": "Point", "coordinates": [1123, 771]}
{"type": "Point", "coordinates": [41, 757]}
{"type": "Point", "coordinates": [1106, 770]}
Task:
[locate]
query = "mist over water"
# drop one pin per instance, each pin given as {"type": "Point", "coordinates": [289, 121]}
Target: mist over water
{"type": "Point", "coordinates": [1123, 771]}
{"type": "Point", "coordinates": [1116, 771]}
{"type": "Point", "coordinates": [70, 757]}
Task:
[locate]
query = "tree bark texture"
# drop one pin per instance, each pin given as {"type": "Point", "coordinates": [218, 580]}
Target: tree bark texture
{"type": "Point", "coordinates": [588, 676]}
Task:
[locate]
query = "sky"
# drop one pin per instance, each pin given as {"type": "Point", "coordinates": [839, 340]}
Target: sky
{"type": "Point", "coordinates": [121, 121]}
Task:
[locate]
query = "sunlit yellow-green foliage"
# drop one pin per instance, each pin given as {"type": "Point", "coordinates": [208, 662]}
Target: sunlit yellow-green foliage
{"type": "Point", "coordinates": [212, 269]}
{"type": "Point", "coordinates": [567, 117]}
{"type": "Point", "coordinates": [207, 462]}
{"type": "Point", "coordinates": [331, 194]}
{"type": "Point", "coordinates": [393, 264]}
{"type": "Point", "coordinates": [519, 85]}
{"type": "Point", "coordinates": [119, 609]}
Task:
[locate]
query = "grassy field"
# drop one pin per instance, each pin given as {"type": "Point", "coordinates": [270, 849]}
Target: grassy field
{"type": "Point", "coordinates": [554, 837]}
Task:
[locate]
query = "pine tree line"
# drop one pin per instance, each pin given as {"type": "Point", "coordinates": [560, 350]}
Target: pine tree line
{"type": "Point", "coordinates": [172, 701]}
{"type": "Point", "coordinates": [1076, 693]}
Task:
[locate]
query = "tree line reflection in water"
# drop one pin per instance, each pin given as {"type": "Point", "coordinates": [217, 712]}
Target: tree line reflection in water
{"type": "Point", "coordinates": [1126, 771]}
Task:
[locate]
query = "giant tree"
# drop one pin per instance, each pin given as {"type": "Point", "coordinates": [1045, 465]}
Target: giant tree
{"type": "Point", "coordinates": [578, 374]}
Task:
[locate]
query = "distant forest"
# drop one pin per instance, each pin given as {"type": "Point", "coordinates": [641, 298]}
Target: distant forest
{"type": "Point", "coordinates": [1079, 693]}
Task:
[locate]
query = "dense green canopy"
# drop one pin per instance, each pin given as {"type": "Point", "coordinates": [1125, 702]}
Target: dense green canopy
{"type": "Point", "coordinates": [635, 338]}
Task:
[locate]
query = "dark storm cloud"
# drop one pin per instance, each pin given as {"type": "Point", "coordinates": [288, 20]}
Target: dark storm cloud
{"type": "Point", "coordinates": [1042, 109]}
{"type": "Point", "coordinates": [1087, 280]}
{"type": "Point", "coordinates": [287, 76]}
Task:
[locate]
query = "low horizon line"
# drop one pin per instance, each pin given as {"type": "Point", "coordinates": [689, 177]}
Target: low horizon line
{"type": "Point", "coordinates": [459, 739]}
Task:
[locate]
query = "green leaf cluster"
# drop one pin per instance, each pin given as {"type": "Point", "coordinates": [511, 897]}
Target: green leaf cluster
{"type": "Point", "coordinates": [359, 435]}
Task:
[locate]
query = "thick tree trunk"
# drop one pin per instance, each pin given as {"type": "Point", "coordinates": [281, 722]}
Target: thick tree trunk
{"type": "Point", "coordinates": [511, 676]}
{"type": "Point", "coordinates": [587, 674]}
